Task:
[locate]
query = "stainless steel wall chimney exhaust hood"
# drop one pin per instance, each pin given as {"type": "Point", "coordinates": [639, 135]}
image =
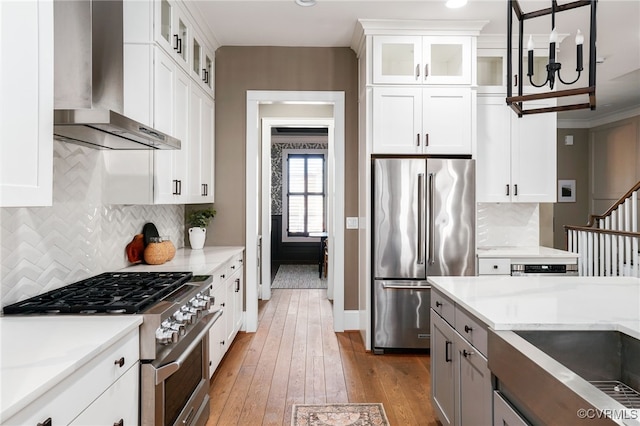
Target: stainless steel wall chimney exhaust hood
{"type": "Point", "coordinates": [89, 80]}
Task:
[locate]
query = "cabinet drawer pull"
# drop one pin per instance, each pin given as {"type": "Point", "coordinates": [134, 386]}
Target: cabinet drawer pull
{"type": "Point", "coordinates": [175, 39]}
{"type": "Point", "coordinates": [426, 71]}
{"type": "Point", "coordinates": [47, 422]}
{"type": "Point", "coordinates": [417, 71]}
{"type": "Point", "coordinates": [418, 139]}
{"type": "Point", "coordinates": [179, 45]}
{"type": "Point", "coordinates": [222, 276]}
{"type": "Point", "coordinates": [515, 189]}
{"type": "Point", "coordinates": [507, 189]}
{"type": "Point", "coordinates": [119, 423]}
{"type": "Point", "coordinates": [237, 285]}
{"type": "Point", "coordinates": [438, 304]}
{"type": "Point", "coordinates": [466, 353]}
{"type": "Point", "coordinates": [426, 139]}
{"type": "Point", "coordinates": [515, 80]}
{"type": "Point", "coordinates": [447, 355]}
{"type": "Point", "coordinates": [119, 362]}
{"type": "Point", "coordinates": [467, 329]}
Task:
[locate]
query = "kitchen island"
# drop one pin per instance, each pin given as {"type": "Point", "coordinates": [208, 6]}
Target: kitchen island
{"type": "Point", "coordinates": [470, 314]}
{"type": "Point", "coordinates": [44, 360]}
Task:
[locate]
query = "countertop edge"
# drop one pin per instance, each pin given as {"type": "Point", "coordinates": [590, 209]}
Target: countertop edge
{"type": "Point", "coordinates": [10, 411]}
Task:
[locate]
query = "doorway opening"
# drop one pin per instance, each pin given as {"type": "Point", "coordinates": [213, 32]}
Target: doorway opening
{"type": "Point", "coordinates": [268, 110]}
{"type": "Point", "coordinates": [299, 183]}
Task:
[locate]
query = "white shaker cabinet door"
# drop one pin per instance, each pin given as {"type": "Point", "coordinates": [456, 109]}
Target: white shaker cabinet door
{"type": "Point", "coordinates": [397, 120]}
{"type": "Point", "coordinates": [26, 96]}
{"type": "Point", "coordinates": [447, 121]}
{"type": "Point", "coordinates": [533, 163]}
{"type": "Point", "coordinates": [493, 161]}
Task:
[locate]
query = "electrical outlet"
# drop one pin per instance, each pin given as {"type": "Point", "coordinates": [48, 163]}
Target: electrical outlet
{"type": "Point", "coordinates": [352, 223]}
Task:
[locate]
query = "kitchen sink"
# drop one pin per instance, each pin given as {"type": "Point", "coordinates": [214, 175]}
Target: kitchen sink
{"type": "Point", "coordinates": [554, 377]}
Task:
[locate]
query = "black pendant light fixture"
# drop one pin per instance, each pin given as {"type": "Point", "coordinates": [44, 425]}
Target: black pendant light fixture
{"type": "Point", "coordinates": [553, 69]}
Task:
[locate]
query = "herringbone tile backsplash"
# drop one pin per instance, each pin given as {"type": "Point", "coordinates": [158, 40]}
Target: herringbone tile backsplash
{"type": "Point", "coordinates": [44, 248]}
{"type": "Point", "coordinates": [508, 224]}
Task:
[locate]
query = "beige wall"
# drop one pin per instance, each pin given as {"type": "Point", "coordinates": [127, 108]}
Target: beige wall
{"type": "Point", "coordinates": [573, 163]}
{"type": "Point", "coordinates": [605, 162]}
{"type": "Point", "coordinates": [239, 69]}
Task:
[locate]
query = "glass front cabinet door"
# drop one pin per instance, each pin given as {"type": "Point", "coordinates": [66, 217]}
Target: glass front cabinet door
{"type": "Point", "coordinates": [422, 60]}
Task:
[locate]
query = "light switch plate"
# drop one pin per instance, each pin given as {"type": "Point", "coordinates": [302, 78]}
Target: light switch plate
{"type": "Point", "coordinates": [352, 223]}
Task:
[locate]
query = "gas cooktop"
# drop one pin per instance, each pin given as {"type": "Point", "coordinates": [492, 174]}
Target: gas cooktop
{"type": "Point", "coordinates": [110, 292]}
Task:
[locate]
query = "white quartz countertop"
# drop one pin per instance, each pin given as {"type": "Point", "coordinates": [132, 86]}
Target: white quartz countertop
{"type": "Point", "coordinates": [548, 303]}
{"type": "Point", "coordinates": [199, 262]}
{"type": "Point", "coordinates": [37, 352]}
{"type": "Point", "coordinates": [527, 252]}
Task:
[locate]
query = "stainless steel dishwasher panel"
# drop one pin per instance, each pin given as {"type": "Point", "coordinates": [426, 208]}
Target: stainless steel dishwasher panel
{"type": "Point", "coordinates": [401, 315]}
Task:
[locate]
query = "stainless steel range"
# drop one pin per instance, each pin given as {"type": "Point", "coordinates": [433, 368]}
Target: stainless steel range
{"type": "Point", "coordinates": [174, 349]}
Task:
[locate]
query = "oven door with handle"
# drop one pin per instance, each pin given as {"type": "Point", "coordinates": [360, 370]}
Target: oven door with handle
{"type": "Point", "coordinates": [175, 388]}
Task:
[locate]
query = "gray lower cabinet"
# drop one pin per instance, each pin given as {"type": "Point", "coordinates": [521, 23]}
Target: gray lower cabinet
{"type": "Point", "coordinates": [504, 414]}
{"type": "Point", "coordinates": [442, 369]}
{"type": "Point", "coordinates": [461, 390]}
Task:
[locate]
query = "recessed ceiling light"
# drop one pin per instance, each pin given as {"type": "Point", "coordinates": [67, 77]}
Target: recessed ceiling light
{"type": "Point", "coordinates": [305, 2]}
{"type": "Point", "coordinates": [454, 4]}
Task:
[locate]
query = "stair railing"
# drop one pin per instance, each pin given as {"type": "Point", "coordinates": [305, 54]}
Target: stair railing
{"type": "Point", "coordinates": [609, 244]}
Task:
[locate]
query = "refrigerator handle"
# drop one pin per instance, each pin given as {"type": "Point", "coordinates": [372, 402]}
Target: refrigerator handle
{"type": "Point", "coordinates": [432, 221]}
{"type": "Point", "coordinates": [420, 218]}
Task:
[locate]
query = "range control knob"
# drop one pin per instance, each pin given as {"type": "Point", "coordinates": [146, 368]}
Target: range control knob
{"type": "Point", "coordinates": [166, 336]}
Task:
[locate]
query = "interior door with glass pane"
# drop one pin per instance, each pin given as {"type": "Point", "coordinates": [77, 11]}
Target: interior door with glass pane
{"type": "Point", "coordinates": [305, 194]}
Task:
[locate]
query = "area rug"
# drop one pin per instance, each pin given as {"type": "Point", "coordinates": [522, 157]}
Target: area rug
{"type": "Point", "coordinates": [298, 276]}
{"type": "Point", "coordinates": [339, 415]}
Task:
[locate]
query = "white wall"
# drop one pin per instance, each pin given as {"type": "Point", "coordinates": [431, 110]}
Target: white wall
{"type": "Point", "coordinates": [44, 248]}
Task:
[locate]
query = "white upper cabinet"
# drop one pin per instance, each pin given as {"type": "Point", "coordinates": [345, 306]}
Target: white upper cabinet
{"type": "Point", "coordinates": [171, 115]}
{"type": "Point", "coordinates": [422, 60]}
{"type": "Point", "coordinates": [26, 103]}
{"type": "Point", "coordinates": [413, 120]}
{"type": "Point", "coordinates": [492, 71]}
{"type": "Point", "coordinates": [173, 31]}
{"type": "Point", "coordinates": [202, 64]}
{"type": "Point", "coordinates": [201, 147]}
{"type": "Point", "coordinates": [516, 159]}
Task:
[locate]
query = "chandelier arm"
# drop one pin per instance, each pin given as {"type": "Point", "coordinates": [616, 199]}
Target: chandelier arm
{"type": "Point", "coordinates": [539, 85]}
{"type": "Point", "coordinates": [564, 82]}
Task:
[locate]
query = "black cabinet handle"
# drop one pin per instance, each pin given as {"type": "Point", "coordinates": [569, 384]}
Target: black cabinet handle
{"type": "Point", "coordinates": [175, 44]}
{"type": "Point", "coordinates": [179, 45]}
{"type": "Point", "coordinates": [467, 329]}
{"type": "Point", "coordinates": [507, 189]}
{"type": "Point", "coordinates": [438, 304]}
{"type": "Point", "coordinates": [47, 422]}
{"type": "Point", "coordinates": [466, 353]}
{"type": "Point", "coordinates": [426, 139]}
{"type": "Point", "coordinates": [447, 355]}
{"type": "Point", "coordinates": [515, 189]}
{"type": "Point", "coordinates": [119, 423]}
{"type": "Point", "coordinates": [119, 362]}
{"type": "Point", "coordinates": [237, 285]}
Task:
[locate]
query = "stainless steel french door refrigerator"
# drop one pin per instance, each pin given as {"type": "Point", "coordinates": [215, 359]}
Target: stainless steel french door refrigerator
{"type": "Point", "coordinates": [423, 224]}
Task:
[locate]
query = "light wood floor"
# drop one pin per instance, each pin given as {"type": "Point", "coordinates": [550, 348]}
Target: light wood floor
{"type": "Point", "coordinates": [296, 358]}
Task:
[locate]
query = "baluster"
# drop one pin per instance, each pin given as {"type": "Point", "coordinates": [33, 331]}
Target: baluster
{"type": "Point", "coordinates": [634, 211]}
{"type": "Point", "coordinates": [601, 256]}
{"type": "Point", "coordinates": [607, 249]}
{"type": "Point", "coordinates": [627, 215]}
{"type": "Point", "coordinates": [620, 255]}
{"type": "Point", "coordinates": [583, 253]}
{"type": "Point", "coordinates": [590, 254]}
{"type": "Point", "coordinates": [636, 258]}
{"type": "Point", "coordinates": [614, 256]}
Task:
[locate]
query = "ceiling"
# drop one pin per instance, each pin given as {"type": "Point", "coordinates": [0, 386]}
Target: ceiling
{"type": "Point", "coordinates": [331, 23]}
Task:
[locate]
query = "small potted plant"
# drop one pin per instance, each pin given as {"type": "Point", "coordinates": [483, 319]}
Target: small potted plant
{"type": "Point", "coordinates": [198, 220]}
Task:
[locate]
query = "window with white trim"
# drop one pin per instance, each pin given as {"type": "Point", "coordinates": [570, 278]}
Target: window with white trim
{"type": "Point", "coordinates": [305, 193]}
